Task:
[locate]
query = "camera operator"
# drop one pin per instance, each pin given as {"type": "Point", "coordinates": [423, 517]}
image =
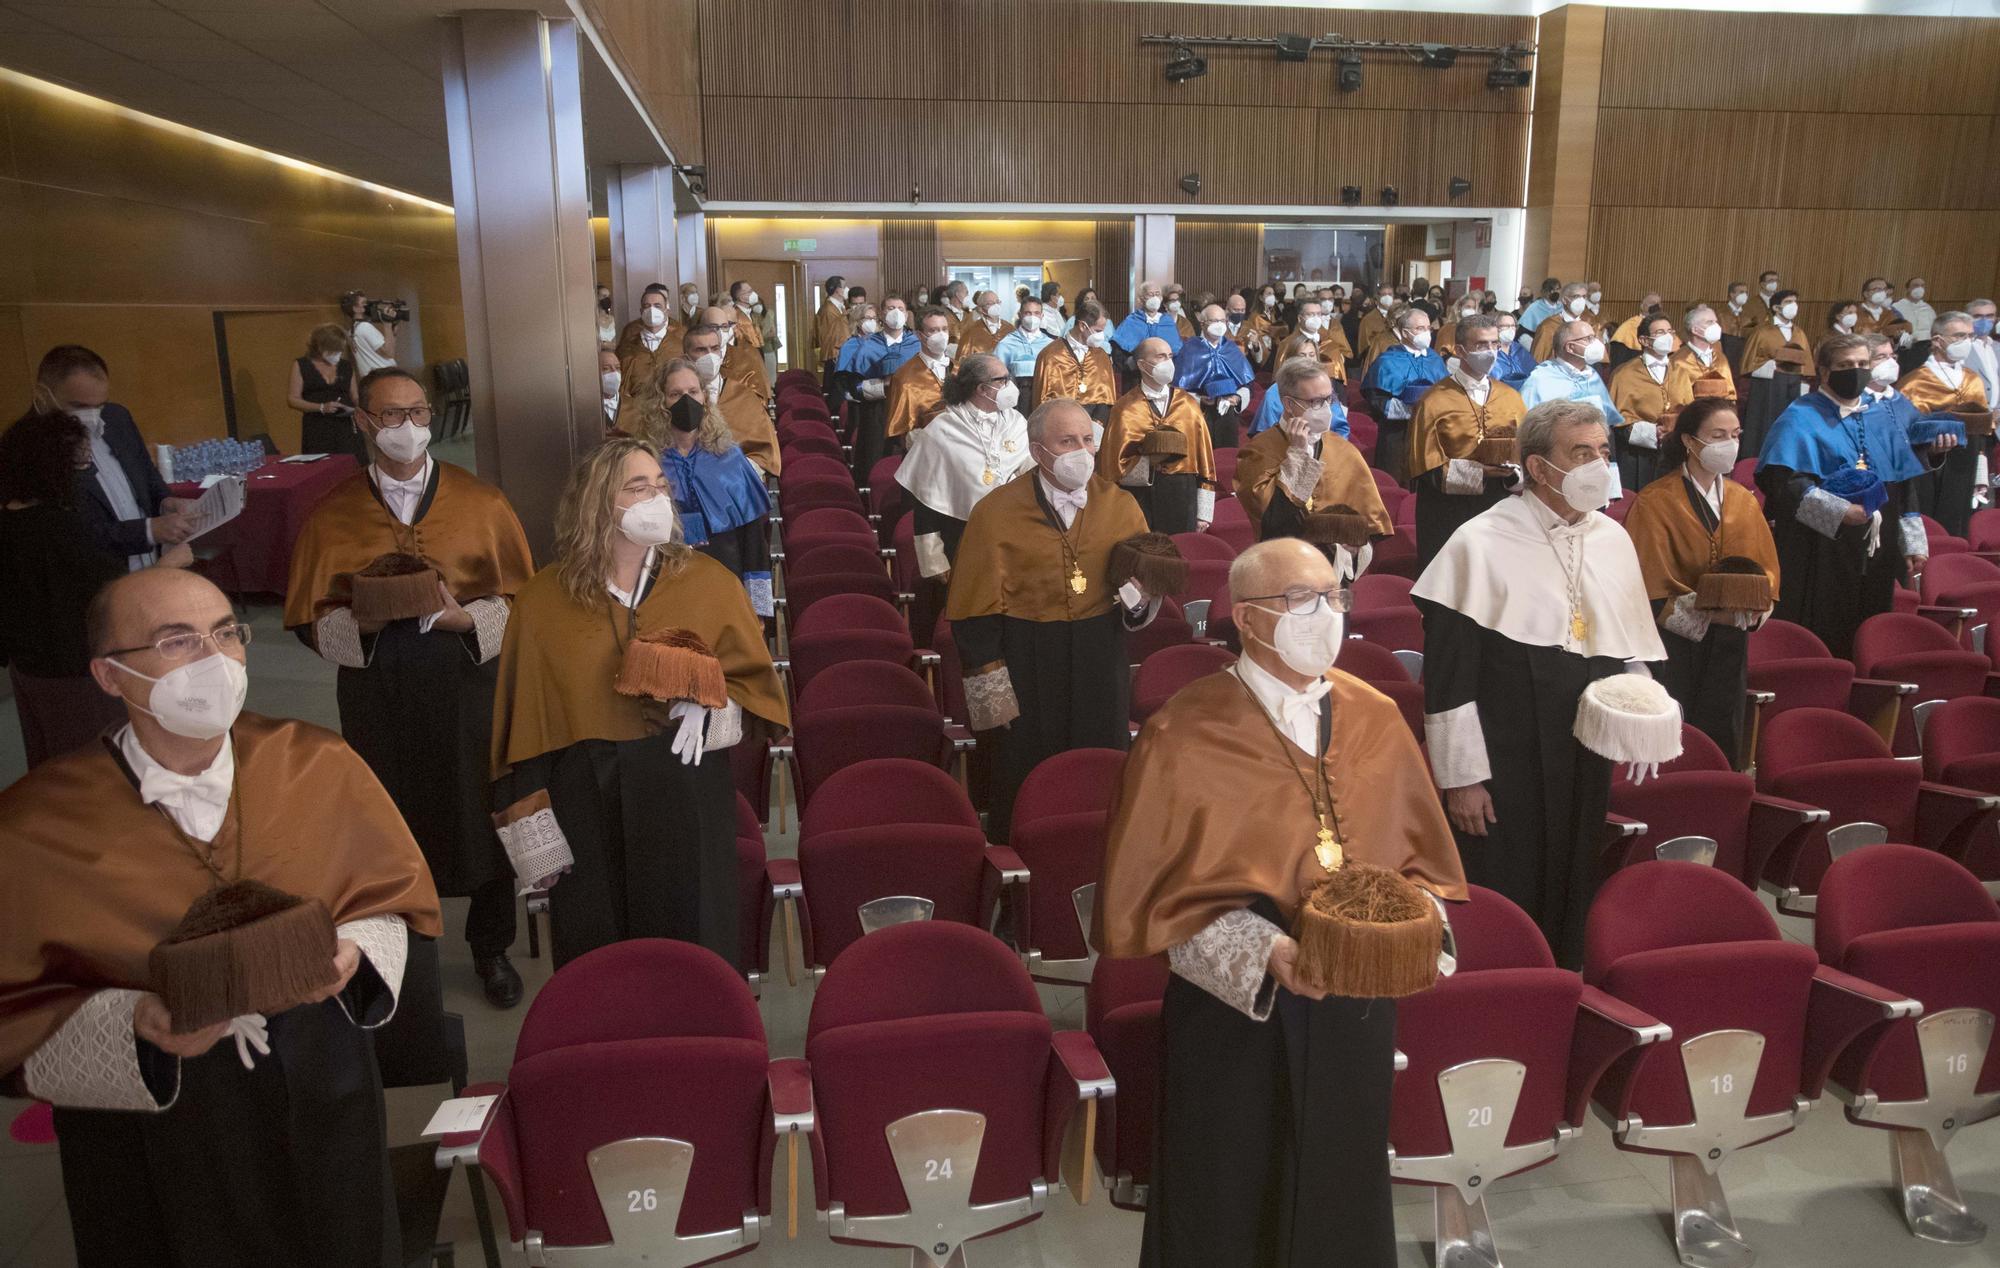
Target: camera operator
{"type": "Point", "coordinates": [372, 327]}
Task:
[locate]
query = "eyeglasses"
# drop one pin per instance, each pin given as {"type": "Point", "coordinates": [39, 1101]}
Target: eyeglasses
{"type": "Point", "coordinates": [179, 647]}
{"type": "Point", "coordinates": [396, 417]}
{"type": "Point", "coordinates": [1304, 600]}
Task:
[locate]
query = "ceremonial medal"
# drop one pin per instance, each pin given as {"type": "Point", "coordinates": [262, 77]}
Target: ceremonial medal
{"type": "Point", "coordinates": [1310, 500]}
{"type": "Point", "coordinates": [1328, 851]}
{"type": "Point", "coordinates": [1010, 446]}
{"type": "Point", "coordinates": [1579, 629]}
{"type": "Point", "coordinates": [1076, 581]}
{"type": "Point", "coordinates": [1861, 463]}
{"type": "Point", "coordinates": [986, 476]}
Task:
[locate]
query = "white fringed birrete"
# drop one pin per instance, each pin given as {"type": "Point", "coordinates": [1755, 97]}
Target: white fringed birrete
{"type": "Point", "coordinates": [1629, 718]}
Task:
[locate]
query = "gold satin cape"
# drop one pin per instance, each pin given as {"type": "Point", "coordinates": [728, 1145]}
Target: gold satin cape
{"type": "Point", "coordinates": [1637, 397]}
{"type": "Point", "coordinates": [97, 877]}
{"type": "Point", "coordinates": [636, 364]}
{"type": "Point", "coordinates": [1675, 549]}
{"type": "Point", "coordinates": [1132, 417]}
{"type": "Point", "coordinates": [1013, 562]}
{"type": "Point", "coordinates": [1212, 813]}
{"type": "Point", "coordinates": [1930, 395]}
{"type": "Point", "coordinates": [743, 359]}
{"type": "Point", "coordinates": [1684, 367]}
{"type": "Point", "coordinates": [914, 396]}
{"type": "Point", "coordinates": [1330, 350]}
{"type": "Point", "coordinates": [1447, 424]}
{"type": "Point", "coordinates": [559, 659]}
{"type": "Point", "coordinates": [469, 534]}
{"type": "Point", "coordinates": [755, 434]}
{"type": "Point", "coordinates": [1762, 344]}
{"type": "Point", "coordinates": [974, 338]}
{"type": "Point", "coordinates": [1059, 378]}
{"type": "Point", "coordinates": [829, 331]}
{"type": "Point", "coordinates": [1344, 478]}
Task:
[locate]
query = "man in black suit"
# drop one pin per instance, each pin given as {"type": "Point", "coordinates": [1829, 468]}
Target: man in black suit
{"type": "Point", "coordinates": [121, 496]}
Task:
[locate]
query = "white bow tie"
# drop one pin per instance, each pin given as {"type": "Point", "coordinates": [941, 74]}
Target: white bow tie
{"type": "Point", "coordinates": [158, 784]}
{"type": "Point", "coordinates": [1303, 703]}
{"type": "Point", "coordinates": [415, 484]}
{"type": "Point", "coordinates": [1065, 498]}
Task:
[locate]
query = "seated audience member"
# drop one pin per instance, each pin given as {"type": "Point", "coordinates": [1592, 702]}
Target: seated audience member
{"type": "Point", "coordinates": [49, 569]}
{"type": "Point", "coordinates": [322, 391]}
{"type": "Point", "coordinates": [123, 500]}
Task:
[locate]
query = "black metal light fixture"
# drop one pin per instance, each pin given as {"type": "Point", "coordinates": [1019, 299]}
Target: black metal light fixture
{"type": "Point", "coordinates": [1505, 72]}
{"type": "Point", "coordinates": [1436, 56]}
{"type": "Point", "coordinates": [1184, 65]}
{"type": "Point", "coordinates": [1348, 77]}
{"type": "Point", "coordinates": [1294, 48]}
{"type": "Point", "coordinates": [1191, 183]}
{"type": "Point", "coordinates": [1350, 195]}
{"type": "Point", "coordinates": [1459, 187]}
{"type": "Point", "coordinates": [1390, 197]}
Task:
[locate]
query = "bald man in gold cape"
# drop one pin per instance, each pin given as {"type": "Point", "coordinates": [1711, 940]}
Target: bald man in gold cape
{"type": "Point", "coordinates": [195, 1147]}
{"type": "Point", "coordinates": [1272, 1144]}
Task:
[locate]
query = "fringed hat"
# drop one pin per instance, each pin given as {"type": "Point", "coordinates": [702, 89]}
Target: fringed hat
{"type": "Point", "coordinates": [1164, 442]}
{"type": "Point", "coordinates": [243, 948]}
{"type": "Point", "coordinates": [1734, 584]}
{"type": "Point", "coordinates": [1338, 525]}
{"type": "Point", "coordinates": [1791, 360]}
{"type": "Point", "coordinates": [672, 664]}
{"type": "Point", "coordinates": [1860, 486]}
{"type": "Point", "coordinates": [1151, 560]}
{"type": "Point", "coordinates": [1713, 385]}
{"type": "Point", "coordinates": [394, 587]}
{"type": "Point", "coordinates": [1497, 450]}
{"type": "Point", "coordinates": [1629, 718]}
{"type": "Point", "coordinates": [1368, 933]}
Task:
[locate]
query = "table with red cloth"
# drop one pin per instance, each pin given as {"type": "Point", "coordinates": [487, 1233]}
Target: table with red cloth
{"type": "Point", "coordinates": [252, 554]}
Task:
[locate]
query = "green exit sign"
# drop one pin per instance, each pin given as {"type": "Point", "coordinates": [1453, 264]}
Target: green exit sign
{"type": "Point", "coordinates": [801, 244]}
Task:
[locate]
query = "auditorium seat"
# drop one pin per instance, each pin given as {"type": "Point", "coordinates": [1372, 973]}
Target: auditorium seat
{"type": "Point", "coordinates": [822, 491]}
{"type": "Point", "coordinates": [1789, 668]}
{"type": "Point", "coordinates": [890, 840]}
{"type": "Point", "coordinates": [1383, 670]}
{"type": "Point", "coordinates": [1168, 670]}
{"type": "Point", "coordinates": [763, 885]}
{"type": "Point", "coordinates": [640, 1115]}
{"type": "Point", "coordinates": [1232, 524]}
{"type": "Point", "coordinates": [811, 654]}
{"type": "Point", "coordinates": [1918, 925]}
{"type": "Point", "coordinates": [1195, 546]}
{"type": "Point", "coordinates": [1757, 1023]}
{"type": "Point", "coordinates": [831, 570]}
{"type": "Point", "coordinates": [860, 710]}
{"type": "Point", "coordinates": [1362, 433]}
{"type": "Point", "coordinates": [1824, 758]}
{"type": "Point", "coordinates": [1168, 628]}
{"type": "Point", "coordinates": [1121, 1010]}
{"type": "Point", "coordinates": [1225, 472]}
{"type": "Point", "coordinates": [1383, 613]}
{"type": "Point", "coordinates": [1942, 542]}
{"type": "Point", "coordinates": [1901, 647]}
{"type": "Point", "coordinates": [1502, 1058]}
{"type": "Point", "coordinates": [1060, 816]}
{"type": "Point", "coordinates": [830, 519]}
{"type": "Point", "coordinates": [809, 466]}
{"type": "Point", "coordinates": [1984, 532]}
{"type": "Point", "coordinates": [1396, 554]}
{"type": "Point", "coordinates": [985, 1104]}
{"type": "Point", "coordinates": [1965, 581]}
{"type": "Point", "coordinates": [1699, 809]}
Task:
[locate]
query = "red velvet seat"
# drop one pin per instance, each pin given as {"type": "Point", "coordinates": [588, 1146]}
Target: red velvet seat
{"type": "Point", "coordinates": [803, 588]}
{"type": "Point", "coordinates": [1984, 532]}
{"type": "Point", "coordinates": [828, 519]}
{"type": "Point", "coordinates": [1789, 664]}
{"type": "Point", "coordinates": [1903, 647]}
{"type": "Point", "coordinates": [1698, 797]}
{"type": "Point", "coordinates": [1942, 543]}
{"type": "Point", "coordinates": [982, 1096]}
{"type": "Point", "coordinates": [1502, 1057]}
{"type": "Point", "coordinates": [1203, 546]}
{"type": "Point", "coordinates": [851, 612]}
{"type": "Point", "coordinates": [811, 654]}
{"type": "Point", "coordinates": [814, 446]}
{"type": "Point", "coordinates": [1919, 925]}
{"type": "Point", "coordinates": [1232, 524]}
{"type": "Point", "coordinates": [1756, 1021]}
{"type": "Point", "coordinates": [816, 492]}
{"type": "Point", "coordinates": [1168, 670]}
{"type": "Point", "coordinates": [1121, 1009]}
{"type": "Point", "coordinates": [811, 466]}
{"type": "Point", "coordinates": [860, 710]}
{"type": "Point", "coordinates": [1060, 817]}
{"type": "Point", "coordinates": [761, 884]}
{"type": "Point", "coordinates": [1385, 671]}
{"type": "Point", "coordinates": [903, 565]}
{"type": "Point", "coordinates": [1362, 432]}
{"type": "Point", "coordinates": [1225, 471]}
{"type": "Point", "coordinates": [631, 1057]}
{"type": "Point", "coordinates": [1168, 628]}
{"type": "Point", "coordinates": [1383, 613]}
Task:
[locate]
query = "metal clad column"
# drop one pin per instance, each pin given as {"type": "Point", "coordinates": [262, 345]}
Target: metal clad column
{"type": "Point", "coordinates": [1152, 251]}
{"type": "Point", "coordinates": [514, 116]}
{"type": "Point", "coordinates": [644, 248]}
{"type": "Point", "coordinates": [691, 241]}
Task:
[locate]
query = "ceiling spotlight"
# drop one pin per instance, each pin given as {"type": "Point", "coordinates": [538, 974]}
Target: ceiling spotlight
{"type": "Point", "coordinates": [1436, 56]}
{"type": "Point", "coordinates": [1191, 183]}
{"type": "Point", "coordinates": [1389, 196]}
{"type": "Point", "coordinates": [1294, 48]}
{"type": "Point", "coordinates": [1184, 65]}
{"type": "Point", "coordinates": [1459, 187]}
{"type": "Point", "coordinates": [1504, 73]}
{"type": "Point", "coordinates": [1348, 77]}
{"type": "Point", "coordinates": [1350, 195]}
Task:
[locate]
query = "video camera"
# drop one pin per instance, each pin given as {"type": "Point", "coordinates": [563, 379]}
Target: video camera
{"type": "Point", "coordinates": [389, 311]}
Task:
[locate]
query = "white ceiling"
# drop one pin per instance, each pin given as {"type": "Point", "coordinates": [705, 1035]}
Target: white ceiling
{"type": "Point", "coordinates": [354, 85]}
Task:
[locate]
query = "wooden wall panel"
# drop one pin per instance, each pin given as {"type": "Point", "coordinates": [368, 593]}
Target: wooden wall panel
{"type": "Point", "coordinates": [1565, 139]}
{"type": "Point", "coordinates": [1112, 266]}
{"type": "Point", "coordinates": [658, 44]}
{"type": "Point", "coordinates": [1216, 255]}
{"type": "Point", "coordinates": [910, 256]}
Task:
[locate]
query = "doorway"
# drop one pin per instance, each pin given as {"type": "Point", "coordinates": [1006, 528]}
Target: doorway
{"type": "Point", "coordinates": [998, 276]}
{"type": "Point", "coordinates": [781, 285]}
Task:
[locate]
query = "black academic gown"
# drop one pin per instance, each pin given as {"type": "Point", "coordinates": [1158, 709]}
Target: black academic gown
{"type": "Point", "coordinates": [1169, 502]}
{"type": "Point", "coordinates": [1831, 584]}
{"type": "Point", "coordinates": [1440, 514]}
{"type": "Point", "coordinates": [1549, 792]}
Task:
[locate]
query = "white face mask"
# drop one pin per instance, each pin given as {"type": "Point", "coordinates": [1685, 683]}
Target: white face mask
{"type": "Point", "coordinates": [1308, 644]}
{"type": "Point", "coordinates": [750, 300]}
{"type": "Point", "coordinates": [1596, 297]}
{"type": "Point", "coordinates": [654, 316]}
{"type": "Point", "coordinates": [1100, 338]}
{"type": "Point", "coordinates": [404, 443]}
{"type": "Point", "coordinates": [1175, 308]}
{"type": "Point", "coordinates": [1917, 292]}
{"type": "Point", "coordinates": [1769, 288]}
{"type": "Point", "coordinates": [1420, 340]}
{"type": "Point", "coordinates": [991, 312]}
{"type": "Point", "coordinates": [1029, 323]}
{"type": "Point", "coordinates": [608, 381]}
{"type": "Point", "coordinates": [1883, 371]}
{"type": "Point", "coordinates": [199, 700]}
{"type": "Point", "coordinates": [1313, 322]}
{"type": "Point", "coordinates": [1578, 304]}
{"type": "Point", "coordinates": [1718, 457]}
{"type": "Point", "coordinates": [1878, 298]}
{"type": "Point", "coordinates": [90, 415]}
{"type": "Point", "coordinates": [1152, 303]}
{"type": "Point", "coordinates": [1958, 350]}
{"type": "Point", "coordinates": [1465, 314]}
{"type": "Point", "coordinates": [650, 523]}
{"type": "Point", "coordinates": [895, 319]}
{"type": "Point", "coordinates": [1586, 488]}
{"type": "Point", "coordinates": [707, 366]}
{"type": "Point", "coordinates": [1006, 396]}
{"type": "Point", "coordinates": [1217, 329]}
{"type": "Point", "coordinates": [1270, 301]}
{"type": "Point", "coordinates": [936, 342]}
{"type": "Point", "coordinates": [1161, 372]}
{"type": "Point", "coordinates": [1070, 471]}
{"type": "Point", "coordinates": [1788, 310]}
{"type": "Point", "coordinates": [1709, 333]}
{"type": "Point", "coordinates": [1847, 320]}
{"type": "Point", "coordinates": [1662, 345]}
{"type": "Point", "coordinates": [333, 358]}
{"type": "Point", "coordinates": [690, 302]}
{"type": "Point", "coordinates": [1737, 301]}
{"type": "Point", "coordinates": [1593, 352]}
{"type": "Point", "coordinates": [869, 325]}
{"type": "Point", "coordinates": [1478, 364]}
{"type": "Point", "coordinates": [1384, 301]}
{"type": "Point", "coordinates": [1318, 419]}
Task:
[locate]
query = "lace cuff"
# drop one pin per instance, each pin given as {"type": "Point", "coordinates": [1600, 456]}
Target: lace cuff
{"type": "Point", "coordinates": [1683, 618]}
{"type": "Point", "coordinates": [94, 1061]}
{"type": "Point", "coordinates": [1916, 542]}
{"type": "Point", "coordinates": [1299, 473]}
{"type": "Point", "coordinates": [1229, 958]}
{"type": "Point", "coordinates": [1457, 744]}
{"type": "Point", "coordinates": [1463, 475]}
{"type": "Point", "coordinates": [1394, 409]}
{"type": "Point", "coordinates": [989, 699]}
{"type": "Point", "coordinates": [385, 947]}
{"type": "Point", "coordinates": [931, 561]}
{"type": "Point", "coordinates": [535, 845]}
{"type": "Point", "coordinates": [489, 626]}
{"type": "Point", "coordinates": [725, 727]}
{"type": "Point", "coordinates": [758, 585]}
{"type": "Point", "coordinates": [337, 638]}
{"type": "Point", "coordinates": [1822, 512]}
{"type": "Point", "coordinates": [1204, 506]}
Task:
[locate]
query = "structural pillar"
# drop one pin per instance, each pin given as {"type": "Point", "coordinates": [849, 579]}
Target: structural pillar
{"type": "Point", "coordinates": [514, 119]}
{"type": "Point", "coordinates": [1152, 252]}
{"type": "Point", "coordinates": [644, 246]}
{"type": "Point", "coordinates": [1569, 60]}
{"type": "Point", "coordinates": [691, 246]}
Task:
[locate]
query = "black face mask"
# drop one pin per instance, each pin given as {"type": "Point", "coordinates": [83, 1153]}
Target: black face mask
{"type": "Point", "coordinates": [1848, 384]}
{"type": "Point", "coordinates": [1236, 317]}
{"type": "Point", "coordinates": [685, 414]}
{"type": "Point", "coordinates": [604, 303]}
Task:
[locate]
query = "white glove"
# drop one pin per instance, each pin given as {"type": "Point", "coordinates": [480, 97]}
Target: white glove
{"type": "Point", "coordinates": [250, 1031]}
{"type": "Point", "coordinates": [1242, 398]}
{"type": "Point", "coordinates": [688, 740]}
{"type": "Point", "coordinates": [1903, 340]}
{"type": "Point", "coordinates": [1640, 772]}
{"type": "Point", "coordinates": [1223, 403]}
{"type": "Point", "coordinates": [873, 389]}
{"type": "Point", "coordinates": [1643, 434]}
{"type": "Point", "coordinates": [1132, 596]}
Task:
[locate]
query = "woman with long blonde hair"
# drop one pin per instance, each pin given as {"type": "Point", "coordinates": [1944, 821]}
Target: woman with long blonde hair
{"type": "Point", "coordinates": [718, 492]}
{"type": "Point", "coordinates": [626, 804]}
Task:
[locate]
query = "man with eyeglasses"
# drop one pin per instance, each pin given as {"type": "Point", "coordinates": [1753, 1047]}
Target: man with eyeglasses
{"type": "Point", "coordinates": [416, 694]}
{"type": "Point", "coordinates": [1462, 454]}
{"type": "Point", "coordinates": [740, 404]}
{"type": "Point", "coordinates": [1300, 479]}
{"type": "Point", "coordinates": [1037, 618]}
{"type": "Point", "coordinates": [1528, 604]}
{"type": "Point", "coordinates": [259, 1139]}
{"type": "Point", "coordinates": [1273, 1121]}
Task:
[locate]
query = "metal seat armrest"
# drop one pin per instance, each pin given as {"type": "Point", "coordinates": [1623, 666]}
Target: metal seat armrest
{"type": "Point", "coordinates": [1950, 617]}
{"type": "Point", "coordinates": [789, 1082]}
{"type": "Point", "coordinates": [1618, 830]}
{"type": "Point", "coordinates": [1004, 884]}
{"type": "Point", "coordinates": [1611, 1042]}
{"type": "Point", "coordinates": [1879, 703]}
{"type": "Point", "coordinates": [961, 737]}
{"type": "Point", "coordinates": [492, 1151]}
{"type": "Point", "coordinates": [1948, 817]}
{"type": "Point", "coordinates": [1777, 828]}
{"type": "Point", "coordinates": [1844, 1011]}
{"type": "Point", "coordinates": [1084, 1065]}
{"type": "Point", "coordinates": [1078, 1081]}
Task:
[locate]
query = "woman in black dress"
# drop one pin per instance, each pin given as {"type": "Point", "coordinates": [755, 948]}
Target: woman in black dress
{"type": "Point", "coordinates": [322, 391]}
